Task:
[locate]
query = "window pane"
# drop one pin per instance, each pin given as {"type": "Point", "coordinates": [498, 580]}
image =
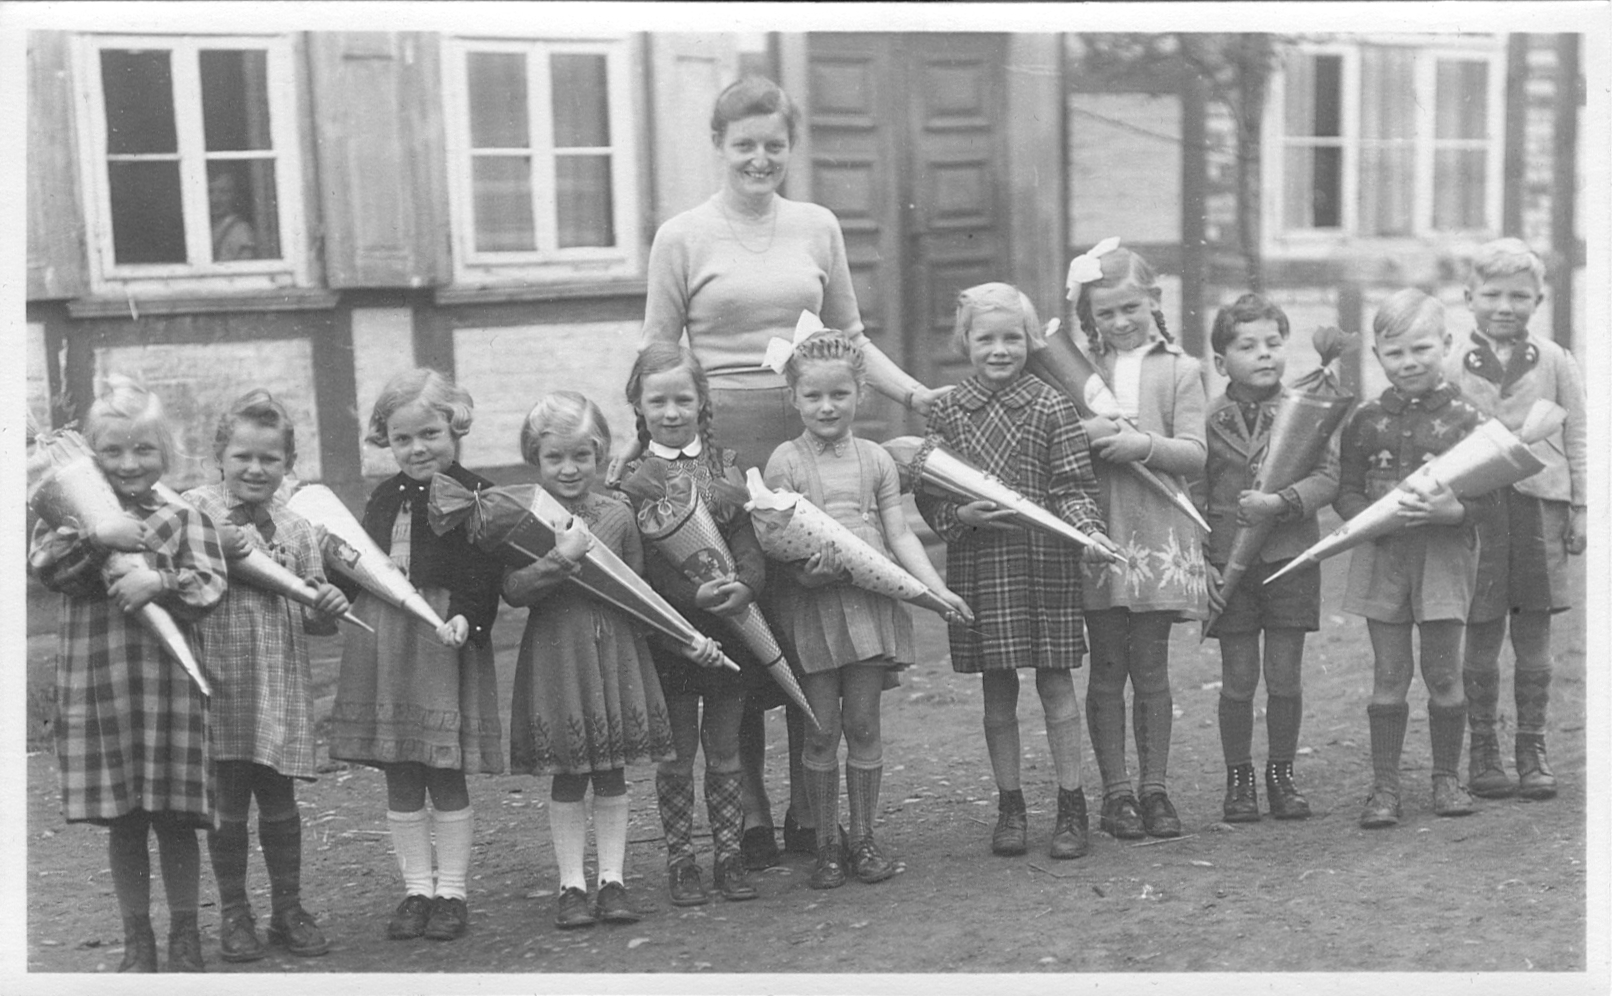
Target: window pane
{"type": "Point", "coordinates": [148, 221]}
{"type": "Point", "coordinates": [581, 104]}
{"type": "Point", "coordinates": [498, 100]}
{"type": "Point", "coordinates": [1313, 104]}
{"type": "Point", "coordinates": [1387, 94]}
{"type": "Point", "coordinates": [244, 210]}
{"type": "Point", "coordinates": [583, 193]}
{"type": "Point", "coordinates": [1462, 100]}
{"type": "Point", "coordinates": [1314, 182]}
{"type": "Point", "coordinates": [1459, 189]}
{"type": "Point", "coordinates": [502, 190]}
{"type": "Point", "coordinates": [139, 93]}
{"type": "Point", "coordinates": [1386, 189]}
{"type": "Point", "coordinates": [235, 99]}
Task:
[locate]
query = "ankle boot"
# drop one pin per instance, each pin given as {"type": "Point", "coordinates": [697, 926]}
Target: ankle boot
{"type": "Point", "coordinates": [139, 945]}
{"type": "Point", "coordinates": [1486, 775]}
{"type": "Point", "coordinates": [184, 944]}
{"type": "Point", "coordinates": [1281, 794]}
{"type": "Point", "coordinates": [1007, 839]}
{"type": "Point", "coordinates": [1069, 834]}
{"type": "Point", "coordinates": [1535, 780]}
{"type": "Point", "coordinates": [1242, 798]}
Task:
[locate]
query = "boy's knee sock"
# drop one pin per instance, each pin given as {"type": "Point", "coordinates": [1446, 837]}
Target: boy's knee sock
{"type": "Point", "coordinates": [1283, 714]}
{"type": "Point", "coordinates": [411, 840]}
{"type": "Point", "coordinates": [1063, 740]}
{"type": "Point", "coordinates": [281, 841]}
{"type": "Point", "coordinates": [227, 849]}
{"type": "Point", "coordinates": [1533, 698]}
{"type": "Point", "coordinates": [1387, 741]}
{"type": "Point", "coordinates": [724, 807]}
{"type": "Point", "coordinates": [1447, 727]}
{"type": "Point", "coordinates": [1002, 747]}
{"type": "Point", "coordinates": [1237, 730]}
{"type": "Point", "coordinates": [674, 794]}
{"type": "Point", "coordinates": [1105, 721]}
{"type": "Point", "coordinates": [1153, 714]}
{"type": "Point", "coordinates": [128, 851]}
{"type": "Point", "coordinates": [824, 786]}
{"type": "Point", "coordinates": [862, 796]}
{"type": "Point", "coordinates": [1482, 684]}
{"type": "Point", "coordinates": [610, 834]}
{"type": "Point", "coordinates": [180, 853]}
{"type": "Point", "coordinates": [568, 828]}
{"type": "Point", "coordinates": [454, 835]}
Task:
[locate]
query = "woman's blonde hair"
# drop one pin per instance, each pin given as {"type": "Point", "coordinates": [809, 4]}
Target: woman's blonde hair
{"type": "Point", "coordinates": [438, 392]}
{"type": "Point", "coordinates": [996, 296]}
{"type": "Point", "coordinates": [127, 399]}
{"type": "Point", "coordinates": [564, 415]}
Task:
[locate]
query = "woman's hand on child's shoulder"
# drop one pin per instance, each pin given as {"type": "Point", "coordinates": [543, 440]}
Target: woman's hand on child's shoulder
{"type": "Point", "coordinates": [983, 514]}
{"type": "Point", "coordinates": [924, 398]}
{"type": "Point", "coordinates": [612, 476]}
{"type": "Point", "coordinates": [454, 632]}
{"type": "Point", "coordinates": [724, 596]}
{"type": "Point", "coordinates": [135, 589]}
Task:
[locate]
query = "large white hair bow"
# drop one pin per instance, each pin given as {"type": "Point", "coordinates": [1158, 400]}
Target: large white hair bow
{"type": "Point", "coordinates": [1088, 266]}
{"type": "Point", "coordinates": [779, 350]}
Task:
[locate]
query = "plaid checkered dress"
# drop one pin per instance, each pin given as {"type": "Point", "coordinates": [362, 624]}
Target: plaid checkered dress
{"type": "Point", "coordinates": [131, 728]}
{"type": "Point", "coordinates": [256, 650]}
{"type": "Point", "coordinates": [1023, 586]}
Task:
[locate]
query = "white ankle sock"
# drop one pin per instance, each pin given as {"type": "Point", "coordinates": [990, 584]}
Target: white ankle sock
{"type": "Point", "coordinates": [454, 832]}
{"type": "Point", "coordinates": [568, 825]}
{"type": "Point", "coordinates": [411, 840]}
{"type": "Point", "coordinates": [610, 834]}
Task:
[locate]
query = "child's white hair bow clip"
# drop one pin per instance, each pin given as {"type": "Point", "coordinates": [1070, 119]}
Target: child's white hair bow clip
{"type": "Point", "coordinates": [779, 350]}
{"type": "Point", "coordinates": [1088, 266]}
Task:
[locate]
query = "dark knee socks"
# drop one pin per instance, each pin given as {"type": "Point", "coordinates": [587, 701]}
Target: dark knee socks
{"type": "Point", "coordinates": [129, 853]}
{"type": "Point", "coordinates": [1447, 726]}
{"type": "Point", "coordinates": [1283, 714]}
{"type": "Point", "coordinates": [180, 855]}
{"type": "Point", "coordinates": [227, 848]}
{"type": "Point", "coordinates": [281, 841]}
{"type": "Point", "coordinates": [1387, 741]}
{"type": "Point", "coordinates": [1236, 731]}
{"type": "Point", "coordinates": [1105, 718]}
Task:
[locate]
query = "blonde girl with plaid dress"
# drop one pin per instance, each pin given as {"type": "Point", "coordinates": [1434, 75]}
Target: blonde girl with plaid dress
{"type": "Point", "coordinates": [1024, 587]}
{"type": "Point", "coordinates": [131, 727]}
{"type": "Point", "coordinates": [262, 709]}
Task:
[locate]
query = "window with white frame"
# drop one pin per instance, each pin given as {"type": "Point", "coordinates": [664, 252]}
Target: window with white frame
{"type": "Point", "coordinates": [191, 170]}
{"type": "Point", "coordinates": [1397, 139]}
{"type": "Point", "coordinates": [541, 159]}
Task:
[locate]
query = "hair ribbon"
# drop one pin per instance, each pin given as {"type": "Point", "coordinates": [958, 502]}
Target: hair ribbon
{"type": "Point", "coordinates": [1088, 266]}
{"type": "Point", "coordinates": [779, 350]}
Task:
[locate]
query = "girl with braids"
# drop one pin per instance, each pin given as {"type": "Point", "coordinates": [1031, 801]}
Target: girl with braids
{"type": "Point", "coordinates": [1131, 605]}
{"type": "Point", "coordinates": [668, 391]}
{"type": "Point", "coordinates": [845, 638]}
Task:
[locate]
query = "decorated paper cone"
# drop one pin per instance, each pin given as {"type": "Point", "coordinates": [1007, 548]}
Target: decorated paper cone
{"type": "Point", "coordinates": [1061, 364]}
{"type": "Point", "coordinates": [1299, 435]}
{"type": "Point", "coordinates": [350, 552]}
{"type": "Point", "coordinates": [937, 466]}
{"type": "Point", "coordinates": [516, 524]}
{"type": "Point", "coordinates": [75, 493]}
{"type": "Point", "coordinates": [1490, 457]}
{"type": "Point", "coordinates": [792, 528]}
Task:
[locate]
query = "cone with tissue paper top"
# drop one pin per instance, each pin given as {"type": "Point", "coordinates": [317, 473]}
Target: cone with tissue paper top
{"type": "Point", "coordinates": [1490, 457]}
{"type": "Point", "coordinates": [1061, 364]}
{"type": "Point", "coordinates": [672, 515]}
{"type": "Point", "coordinates": [792, 528]}
{"type": "Point", "coordinates": [73, 492]}
{"type": "Point", "coordinates": [516, 523]}
{"type": "Point", "coordinates": [929, 461]}
{"type": "Point", "coordinates": [349, 551]}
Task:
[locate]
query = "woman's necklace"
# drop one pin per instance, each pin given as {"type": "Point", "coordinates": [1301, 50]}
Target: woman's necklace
{"type": "Point", "coordinates": [772, 233]}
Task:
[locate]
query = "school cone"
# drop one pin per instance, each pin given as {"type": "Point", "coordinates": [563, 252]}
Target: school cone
{"type": "Point", "coordinates": [1307, 415]}
{"type": "Point", "coordinates": [1061, 364]}
{"type": "Point", "coordinates": [929, 461]}
{"type": "Point", "coordinates": [350, 552]}
{"type": "Point", "coordinates": [672, 515]}
{"type": "Point", "coordinates": [1490, 457]}
{"type": "Point", "coordinates": [74, 492]}
{"type": "Point", "coordinates": [792, 528]}
{"type": "Point", "coordinates": [516, 524]}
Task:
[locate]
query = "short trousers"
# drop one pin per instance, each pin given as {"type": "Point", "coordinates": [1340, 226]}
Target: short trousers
{"type": "Point", "coordinates": [1522, 557]}
{"type": "Point", "coordinates": [1294, 602]}
{"type": "Point", "coordinates": [1416, 575]}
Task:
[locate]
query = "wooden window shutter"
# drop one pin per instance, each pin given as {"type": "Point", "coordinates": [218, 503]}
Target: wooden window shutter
{"type": "Point", "coordinates": [57, 264]}
{"type": "Point", "coordinates": [380, 148]}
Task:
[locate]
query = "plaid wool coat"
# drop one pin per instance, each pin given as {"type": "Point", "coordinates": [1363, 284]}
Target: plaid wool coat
{"type": "Point", "coordinates": [131, 728]}
{"type": "Point", "coordinates": [1023, 586]}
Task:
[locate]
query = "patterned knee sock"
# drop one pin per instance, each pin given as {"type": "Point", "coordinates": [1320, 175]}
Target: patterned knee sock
{"type": "Point", "coordinates": [675, 796]}
{"type": "Point", "coordinates": [128, 851]}
{"type": "Point", "coordinates": [1153, 713]}
{"type": "Point", "coordinates": [862, 796]}
{"type": "Point", "coordinates": [1447, 726]}
{"type": "Point", "coordinates": [824, 785]}
{"type": "Point", "coordinates": [411, 840]}
{"type": "Point", "coordinates": [568, 828]}
{"type": "Point", "coordinates": [1063, 740]}
{"type": "Point", "coordinates": [1237, 730]}
{"type": "Point", "coordinates": [227, 848]}
{"type": "Point", "coordinates": [1283, 714]}
{"type": "Point", "coordinates": [1533, 698]}
{"type": "Point", "coordinates": [1387, 741]}
{"type": "Point", "coordinates": [1105, 720]}
{"type": "Point", "coordinates": [724, 807]}
{"type": "Point", "coordinates": [455, 830]}
{"type": "Point", "coordinates": [1482, 686]}
{"type": "Point", "coordinates": [180, 853]}
{"type": "Point", "coordinates": [610, 835]}
{"type": "Point", "coordinates": [281, 841]}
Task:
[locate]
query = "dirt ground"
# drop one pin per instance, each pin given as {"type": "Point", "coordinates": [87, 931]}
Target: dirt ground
{"type": "Point", "coordinates": [1502, 890]}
